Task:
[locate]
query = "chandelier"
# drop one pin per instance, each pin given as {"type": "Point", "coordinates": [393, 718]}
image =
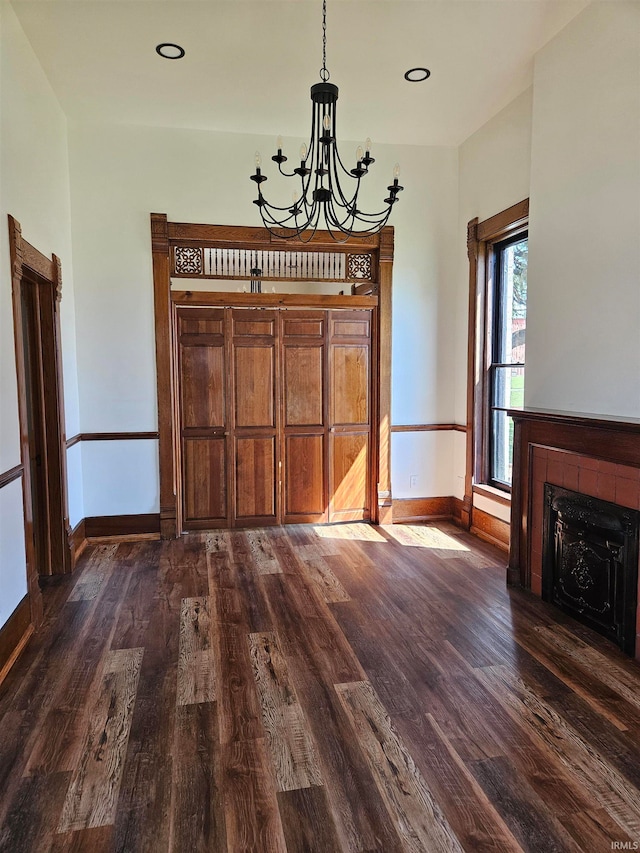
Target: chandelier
{"type": "Point", "coordinates": [323, 176]}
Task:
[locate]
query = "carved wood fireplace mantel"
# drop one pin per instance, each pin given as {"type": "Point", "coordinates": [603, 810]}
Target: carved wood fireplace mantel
{"type": "Point", "coordinates": [597, 456]}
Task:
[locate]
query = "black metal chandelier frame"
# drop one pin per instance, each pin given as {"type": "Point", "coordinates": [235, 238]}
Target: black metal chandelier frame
{"type": "Point", "coordinates": [320, 172]}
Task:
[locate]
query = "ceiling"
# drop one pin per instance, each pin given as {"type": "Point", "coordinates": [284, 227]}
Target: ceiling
{"type": "Point", "coordinates": [249, 65]}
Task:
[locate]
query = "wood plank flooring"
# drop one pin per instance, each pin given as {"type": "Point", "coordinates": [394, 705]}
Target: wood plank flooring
{"type": "Point", "coordinates": [338, 689]}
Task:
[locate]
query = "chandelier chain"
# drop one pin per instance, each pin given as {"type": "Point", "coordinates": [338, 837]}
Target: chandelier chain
{"type": "Point", "coordinates": [324, 74]}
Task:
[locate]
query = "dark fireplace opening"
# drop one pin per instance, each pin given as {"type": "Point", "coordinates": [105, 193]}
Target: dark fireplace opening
{"type": "Point", "coordinates": [590, 562]}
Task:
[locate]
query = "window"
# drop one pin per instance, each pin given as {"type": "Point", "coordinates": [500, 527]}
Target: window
{"type": "Point", "coordinates": [505, 380]}
{"type": "Point", "coordinates": [498, 252]}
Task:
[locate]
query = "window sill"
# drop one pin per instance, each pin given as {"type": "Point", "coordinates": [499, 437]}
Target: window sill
{"type": "Point", "coordinates": [493, 494]}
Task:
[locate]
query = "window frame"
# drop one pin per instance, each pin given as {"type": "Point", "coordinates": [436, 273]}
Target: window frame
{"type": "Point", "coordinates": [484, 239]}
{"type": "Point", "coordinates": [494, 320]}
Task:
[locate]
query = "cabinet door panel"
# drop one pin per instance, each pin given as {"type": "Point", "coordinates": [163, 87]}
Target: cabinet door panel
{"type": "Point", "coordinates": [201, 321]}
{"type": "Point", "coordinates": [351, 326]}
{"type": "Point", "coordinates": [252, 326]}
{"type": "Point", "coordinates": [254, 384]}
{"type": "Point", "coordinates": [349, 477]}
{"type": "Point", "coordinates": [205, 479]}
{"type": "Point", "coordinates": [255, 479]}
{"type": "Point", "coordinates": [350, 383]}
{"type": "Point", "coordinates": [301, 325]}
{"type": "Point", "coordinates": [303, 385]}
{"type": "Point", "coordinates": [203, 386]}
{"type": "Point", "coordinates": [304, 492]}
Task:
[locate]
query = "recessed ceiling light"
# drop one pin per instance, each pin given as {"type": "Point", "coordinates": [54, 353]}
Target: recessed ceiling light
{"type": "Point", "coordinates": [417, 75]}
{"type": "Point", "coordinates": [170, 51]}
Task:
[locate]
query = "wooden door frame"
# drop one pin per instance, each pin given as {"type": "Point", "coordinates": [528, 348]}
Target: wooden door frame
{"type": "Point", "coordinates": [165, 236]}
{"type": "Point", "coordinates": [26, 262]}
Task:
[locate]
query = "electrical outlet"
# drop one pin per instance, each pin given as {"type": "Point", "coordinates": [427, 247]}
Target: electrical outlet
{"type": "Point", "coordinates": [413, 481]}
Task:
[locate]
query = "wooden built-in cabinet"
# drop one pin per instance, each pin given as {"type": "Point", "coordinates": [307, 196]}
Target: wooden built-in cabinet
{"type": "Point", "coordinates": [275, 412]}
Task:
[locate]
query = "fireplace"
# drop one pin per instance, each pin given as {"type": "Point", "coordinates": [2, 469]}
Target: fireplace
{"type": "Point", "coordinates": [590, 562]}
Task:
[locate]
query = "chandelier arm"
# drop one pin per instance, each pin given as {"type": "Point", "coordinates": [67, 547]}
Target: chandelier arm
{"type": "Point", "coordinates": [267, 215]}
{"type": "Point", "coordinates": [311, 212]}
{"type": "Point", "coordinates": [285, 174]}
{"type": "Point", "coordinates": [346, 171]}
{"type": "Point", "coordinates": [333, 220]}
{"type": "Point", "coordinates": [374, 226]}
{"type": "Point", "coordinates": [270, 206]}
{"type": "Point", "coordinates": [384, 213]}
{"type": "Point", "coordinates": [342, 223]}
{"type": "Point", "coordinates": [309, 226]}
{"type": "Point", "coordinates": [347, 203]}
{"type": "Point", "coordinates": [333, 173]}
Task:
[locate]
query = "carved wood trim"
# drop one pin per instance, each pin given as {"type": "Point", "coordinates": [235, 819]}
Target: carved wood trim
{"type": "Point", "coordinates": [472, 240]}
{"type": "Point", "coordinates": [228, 236]}
{"type": "Point", "coordinates": [37, 262]}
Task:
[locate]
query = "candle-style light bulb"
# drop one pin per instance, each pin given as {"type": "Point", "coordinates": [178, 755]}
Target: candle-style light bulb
{"type": "Point", "coordinates": [258, 160]}
{"type": "Point", "coordinates": [279, 143]}
{"type": "Point", "coordinates": [396, 170]}
{"type": "Point", "coordinates": [359, 153]}
{"type": "Point", "coordinates": [294, 196]}
{"type": "Point", "coordinates": [367, 144]}
{"type": "Point", "coordinates": [303, 152]}
{"type": "Point", "coordinates": [326, 122]}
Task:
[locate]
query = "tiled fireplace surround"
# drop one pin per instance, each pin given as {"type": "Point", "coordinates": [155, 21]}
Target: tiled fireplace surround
{"type": "Point", "coordinates": [596, 457]}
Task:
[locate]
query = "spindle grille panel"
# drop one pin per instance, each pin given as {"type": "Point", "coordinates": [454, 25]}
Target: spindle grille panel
{"type": "Point", "coordinates": [226, 263]}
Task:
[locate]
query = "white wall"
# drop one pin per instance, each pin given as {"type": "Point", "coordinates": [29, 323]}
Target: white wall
{"type": "Point", "coordinates": [119, 174]}
{"type": "Point", "coordinates": [583, 335]}
{"type": "Point", "coordinates": [13, 576]}
{"type": "Point", "coordinates": [34, 187]}
{"type": "Point", "coordinates": [124, 477]}
{"type": "Point", "coordinates": [494, 168]}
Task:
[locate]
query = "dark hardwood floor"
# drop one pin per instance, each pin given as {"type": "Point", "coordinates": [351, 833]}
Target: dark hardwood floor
{"type": "Point", "coordinates": [346, 688]}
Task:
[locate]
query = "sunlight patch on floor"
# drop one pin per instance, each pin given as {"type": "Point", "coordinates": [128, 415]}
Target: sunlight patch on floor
{"type": "Point", "coordinates": [418, 536]}
{"type": "Point", "coordinates": [359, 532]}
